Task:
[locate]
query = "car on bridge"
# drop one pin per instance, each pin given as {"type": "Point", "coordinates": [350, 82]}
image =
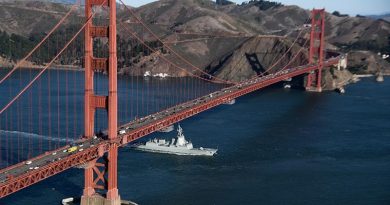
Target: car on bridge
{"type": "Point", "coordinates": [72, 149]}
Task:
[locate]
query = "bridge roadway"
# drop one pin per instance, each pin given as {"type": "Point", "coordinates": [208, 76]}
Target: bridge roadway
{"type": "Point", "coordinates": [24, 174]}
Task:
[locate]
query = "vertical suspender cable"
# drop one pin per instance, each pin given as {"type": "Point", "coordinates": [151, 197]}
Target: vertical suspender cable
{"type": "Point", "coordinates": [58, 103]}
{"type": "Point", "coordinates": [49, 99]}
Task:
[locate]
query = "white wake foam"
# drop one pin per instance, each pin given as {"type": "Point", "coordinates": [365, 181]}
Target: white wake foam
{"type": "Point", "coordinates": [35, 136]}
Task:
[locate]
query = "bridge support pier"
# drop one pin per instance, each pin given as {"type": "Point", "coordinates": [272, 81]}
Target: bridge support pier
{"type": "Point", "coordinates": [313, 81]}
{"type": "Point", "coordinates": [97, 199]}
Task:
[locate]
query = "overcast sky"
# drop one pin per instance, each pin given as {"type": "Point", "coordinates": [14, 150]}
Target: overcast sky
{"type": "Point", "coordinates": [351, 7]}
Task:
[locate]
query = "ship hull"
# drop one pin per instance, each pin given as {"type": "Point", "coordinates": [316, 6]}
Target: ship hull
{"type": "Point", "coordinates": [176, 151]}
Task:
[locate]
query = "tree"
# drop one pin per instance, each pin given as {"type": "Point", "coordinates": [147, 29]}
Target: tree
{"type": "Point", "coordinates": [223, 2]}
{"type": "Point", "coordinates": [336, 13]}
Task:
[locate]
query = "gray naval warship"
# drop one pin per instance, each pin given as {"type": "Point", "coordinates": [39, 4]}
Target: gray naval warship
{"type": "Point", "coordinates": [178, 146]}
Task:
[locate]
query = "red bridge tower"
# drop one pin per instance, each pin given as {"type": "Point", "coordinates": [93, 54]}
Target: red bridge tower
{"type": "Point", "coordinates": [316, 52]}
{"type": "Point", "coordinates": [101, 175]}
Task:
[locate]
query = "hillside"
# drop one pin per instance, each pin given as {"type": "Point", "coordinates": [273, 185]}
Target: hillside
{"type": "Point", "coordinates": [385, 17]}
{"type": "Point", "coordinates": [38, 17]}
{"type": "Point", "coordinates": [169, 17]}
{"type": "Point", "coordinates": [229, 32]}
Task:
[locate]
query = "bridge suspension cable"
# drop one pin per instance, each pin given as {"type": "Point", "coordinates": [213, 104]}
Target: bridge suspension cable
{"type": "Point", "coordinates": [273, 64]}
{"type": "Point", "coordinates": [163, 57]}
{"type": "Point", "coordinates": [49, 64]}
{"type": "Point", "coordinates": [285, 54]}
{"type": "Point", "coordinates": [170, 49]}
{"type": "Point", "coordinates": [62, 20]}
{"type": "Point", "coordinates": [295, 56]}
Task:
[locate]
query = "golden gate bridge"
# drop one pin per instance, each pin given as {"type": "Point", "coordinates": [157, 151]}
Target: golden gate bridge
{"type": "Point", "coordinates": [27, 162]}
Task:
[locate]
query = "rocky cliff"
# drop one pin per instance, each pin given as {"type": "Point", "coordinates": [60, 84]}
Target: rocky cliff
{"type": "Point", "coordinates": [367, 62]}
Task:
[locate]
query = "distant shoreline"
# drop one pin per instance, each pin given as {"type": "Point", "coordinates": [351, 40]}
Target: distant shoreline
{"type": "Point", "coordinates": [55, 67]}
{"type": "Point", "coordinates": [368, 75]}
{"type": "Point", "coordinates": [363, 75]}
{"type": "Point", "coordinates": [78, 69]}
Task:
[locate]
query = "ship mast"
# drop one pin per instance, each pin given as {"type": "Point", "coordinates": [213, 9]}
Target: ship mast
{"type": "Point", "coordinates": [181, 141]}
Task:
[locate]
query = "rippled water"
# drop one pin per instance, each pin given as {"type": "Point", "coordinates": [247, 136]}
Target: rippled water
{"type": "Point", "coordinates": [275, 147]}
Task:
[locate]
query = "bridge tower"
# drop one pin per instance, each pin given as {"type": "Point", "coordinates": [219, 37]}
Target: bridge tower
{"type": "Point", "coordinates": [101, 176]}
{"type": "Point", "coordinates": [316, 52]}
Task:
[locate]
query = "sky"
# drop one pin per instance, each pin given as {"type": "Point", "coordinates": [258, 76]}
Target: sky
{"type": "Point", "coordinates": [352, 7]}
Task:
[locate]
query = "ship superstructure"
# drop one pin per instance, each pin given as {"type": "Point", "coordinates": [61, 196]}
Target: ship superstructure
{"type": "Point", "coordinates": [178, 146]}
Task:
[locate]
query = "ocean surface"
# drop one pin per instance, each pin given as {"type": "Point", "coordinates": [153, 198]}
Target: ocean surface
{"type": "Point", "coordinates": [276, 146]}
